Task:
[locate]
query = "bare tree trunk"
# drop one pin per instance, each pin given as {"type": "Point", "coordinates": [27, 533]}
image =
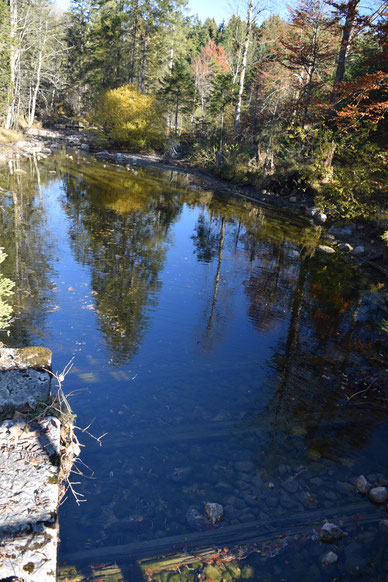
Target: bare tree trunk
{"type": "Point", "coordinates": [221, 144]}
{"type": "Point", "coordinates": [12, 64]}
{"type": "Point", "coordinates": [145, 47]}
{"type": "Point", "coordinates": [37, 80]}
{"type": "Point", "coordinates": [133, 46]}
{"type": "Point", "coordinates": [347, 31]}
{"type": "Point", "coordinates": [171, 61]}
{"type": "Point", "coordinates": [176, 115]}
{"type": "Point", "coordinates": [243, 68]}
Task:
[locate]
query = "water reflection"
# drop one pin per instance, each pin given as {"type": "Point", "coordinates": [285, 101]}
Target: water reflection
{"type": "Point", "coordinates": [222, 354]}
{"type": "Point", "coordinates": [30, 247]}
{"type": "Point", "coordinates": [120, 230]}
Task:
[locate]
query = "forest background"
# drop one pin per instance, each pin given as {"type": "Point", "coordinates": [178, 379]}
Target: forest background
{"type": "Point", "coordinates": [292, 104]}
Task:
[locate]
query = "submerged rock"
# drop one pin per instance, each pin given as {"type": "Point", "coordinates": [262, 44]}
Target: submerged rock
{"type": "Point", "coordinates": [331, 533]}
{"type": "Point", "coordinates": [341, 231]}
{"type": "Point", "coordinates": [214, 512]}
{"type": "Point", "coordinates": [329, 559]}
{"type": "Point", "coordinates": [378, 495]}
{"type": "Point", "coordinates": [326, 249]}
{"type": "Point", "coordinates": [357, 251]}
{"type": "Point", "coordinates": [196, 520]}
{"type": "Point", "coordinates": [345, 247]}
{"type": "Point", "coordinates": [362, 485]}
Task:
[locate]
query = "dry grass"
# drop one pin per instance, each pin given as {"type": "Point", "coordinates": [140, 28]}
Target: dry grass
{"type": "Point", "coordinates": [10, 136]}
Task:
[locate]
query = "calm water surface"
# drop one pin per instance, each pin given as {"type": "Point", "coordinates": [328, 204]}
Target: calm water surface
{"type": "Point", "coordinates": [225, 358]}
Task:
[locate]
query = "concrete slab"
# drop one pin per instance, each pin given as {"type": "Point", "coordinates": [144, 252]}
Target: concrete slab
{"type": "Point", "coordinates": [29, 468]}
{"type": "Point", "coordinates": [29, 489]}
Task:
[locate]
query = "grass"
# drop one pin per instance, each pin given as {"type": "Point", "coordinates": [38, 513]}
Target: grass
{"type": "Point", "coordinates": [10, 136]}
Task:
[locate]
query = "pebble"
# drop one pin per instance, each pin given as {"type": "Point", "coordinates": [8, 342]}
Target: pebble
{"type": "Point", "coordinates": [378, 495]}
{"type": "Point", "coordinates": [329, 559]}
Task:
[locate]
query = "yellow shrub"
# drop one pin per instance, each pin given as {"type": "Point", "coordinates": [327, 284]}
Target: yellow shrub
{"type": "Point", "coordinates": [128, 117]}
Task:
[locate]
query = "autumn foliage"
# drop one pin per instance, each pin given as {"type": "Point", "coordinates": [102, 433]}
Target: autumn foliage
{"type": "Point", "coordinates": [130, 118]}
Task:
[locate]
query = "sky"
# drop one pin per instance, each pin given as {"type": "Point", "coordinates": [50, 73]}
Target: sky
{"type": "Point", "coordinates": [218, 9]}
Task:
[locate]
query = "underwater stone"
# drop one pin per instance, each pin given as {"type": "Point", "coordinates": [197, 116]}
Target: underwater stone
{"type": "Point", "coordinates": [359, 250]}
{"type": "Point", "coordinates": [378, 495]}
{"type": "Point", "coordinates": [341, 231]}
{"type": "Point", "coordinates": [326, 249]}
{"type": "Point", "coordinates": [329, 559]}
{"type": "Point", "coordinates": [196, 520]}
{"type": "Point", "coordinates": [331, 533]}
{"type": "Point", "coordinates": [345, 247]}
{"type": "Point", "coordinates": [362, 485]}
{"type": "Point", "coordinates": [214, 512]}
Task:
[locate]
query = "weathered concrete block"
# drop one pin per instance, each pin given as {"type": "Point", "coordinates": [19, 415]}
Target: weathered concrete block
{"type": "Point", "coordinates": [24, 376]}
{"type": "Point", "coordinates": [28, 499]}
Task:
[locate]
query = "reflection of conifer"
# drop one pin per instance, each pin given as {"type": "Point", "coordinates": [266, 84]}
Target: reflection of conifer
{"type": "Point", "coordinates": [120, 233]}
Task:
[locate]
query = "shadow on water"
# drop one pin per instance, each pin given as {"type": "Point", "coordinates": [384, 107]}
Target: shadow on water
{"type": "Point", "coordinates": [227, 360]}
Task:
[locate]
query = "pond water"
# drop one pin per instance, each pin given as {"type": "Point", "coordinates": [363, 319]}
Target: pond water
{"type": "Point", "coordinates": [227, 360]}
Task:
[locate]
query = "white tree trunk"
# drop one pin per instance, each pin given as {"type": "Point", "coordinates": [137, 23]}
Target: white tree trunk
{"type": "Point", "coordinates": [243, 68]}
{"type": "Point", "coordinates": [31, 117]}
{"type": "Point", "coordinates": [13, 64]}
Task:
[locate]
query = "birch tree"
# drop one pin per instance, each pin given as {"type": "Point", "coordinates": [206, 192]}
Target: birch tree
{"type": "Point", "coordinates": [250, 16]}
